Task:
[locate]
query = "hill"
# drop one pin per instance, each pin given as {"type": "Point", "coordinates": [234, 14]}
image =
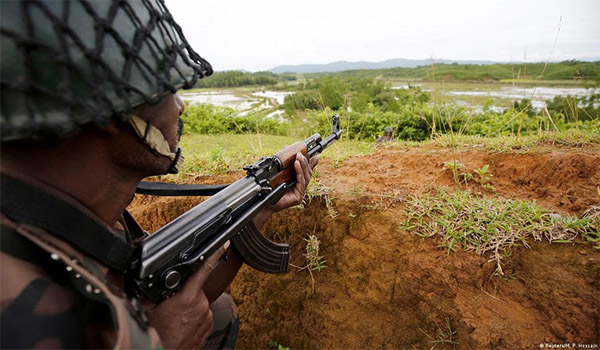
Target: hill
{"type": "Point", "coordinates": [346, 65]}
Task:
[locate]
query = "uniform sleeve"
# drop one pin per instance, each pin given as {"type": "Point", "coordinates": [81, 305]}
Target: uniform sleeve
{"type": "Point", "coordinates": [43, 315]}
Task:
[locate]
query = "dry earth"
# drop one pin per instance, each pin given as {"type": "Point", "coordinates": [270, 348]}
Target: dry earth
{"type": "Point", "coordinates": [387, 288]}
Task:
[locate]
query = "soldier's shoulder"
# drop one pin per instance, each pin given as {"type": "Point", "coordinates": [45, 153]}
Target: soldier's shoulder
{"type": "Point", "coordinates": [30, 299]}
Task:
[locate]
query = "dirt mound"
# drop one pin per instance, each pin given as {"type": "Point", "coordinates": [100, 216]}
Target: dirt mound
{"type": "Point", "coordinates": [563, 180]}
{"type": "Point", "coordinates": [386, 287]}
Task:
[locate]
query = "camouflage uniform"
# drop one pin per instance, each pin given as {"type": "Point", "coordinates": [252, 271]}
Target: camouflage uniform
{"type": "Point", "coordinates": [68, 65]}
{"type": "Point", "coordinates": [67, 299]}
{"type": "Point", "coordinates": [62, 297]}
{"type": "Point", "coordinates": [226, 324]}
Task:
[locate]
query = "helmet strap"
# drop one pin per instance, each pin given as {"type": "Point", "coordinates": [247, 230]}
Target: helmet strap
{"type": "Point", "coordinates": [157, 142]}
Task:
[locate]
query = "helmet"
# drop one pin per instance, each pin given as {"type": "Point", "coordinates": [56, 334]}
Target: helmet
{"type": "Point", "coordinates": [388, 131]}
{"type": "Point", "coordinates": [67, 64]}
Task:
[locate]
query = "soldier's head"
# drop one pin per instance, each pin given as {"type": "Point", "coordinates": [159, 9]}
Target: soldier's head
{"type": "Point", "coordinates": [69, 69]}
{"type": "Point", "coordinates": [388, 131]}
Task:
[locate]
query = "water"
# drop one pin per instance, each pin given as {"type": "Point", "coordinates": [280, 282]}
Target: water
{"type": "Point", "coordinates": [407, 86]}
{"type": "Point", "coordinates": [276, 115]}
{"type": "Point", "coordinates": [241, 103]}
{"type": "Point", "coordinates": [277, 95]}
{"type": "Point", "coordinates": [248, 103]}
{"type": "Point", "coordinates": [538, 93]}
{"type": "Point", "coordinates": [222, 99]}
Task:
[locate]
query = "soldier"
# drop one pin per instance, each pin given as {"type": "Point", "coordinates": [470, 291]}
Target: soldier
{"type": "Point", "coordinates": [388, 135]}
{"type": "Point", "coordinates": [88, 109]}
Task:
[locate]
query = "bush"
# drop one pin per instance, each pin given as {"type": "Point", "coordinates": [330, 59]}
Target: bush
{"type": "Point", "coordinates": [209, 119]}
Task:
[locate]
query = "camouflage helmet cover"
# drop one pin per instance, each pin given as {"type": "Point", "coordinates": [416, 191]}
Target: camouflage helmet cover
{"type": "Point", "coordinates": [65, 64]}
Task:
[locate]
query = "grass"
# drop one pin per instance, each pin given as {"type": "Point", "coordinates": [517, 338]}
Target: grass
{"type": "Point", "coordinates": [571, 138]}
{"type": "Point", "coordinates": [316, 189]}
{"type": "Point", "coordinates": [220, 154]}
{"type": "Point", "coordinates": [443, 335]}
{"type": "Point", "coordinates": [492, 226]}
{"type": "Point", "coordinates": [314, 261]}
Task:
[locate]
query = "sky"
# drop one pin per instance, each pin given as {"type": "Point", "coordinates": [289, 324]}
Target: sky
{"type": "Point", "coordinates": [261, 34]}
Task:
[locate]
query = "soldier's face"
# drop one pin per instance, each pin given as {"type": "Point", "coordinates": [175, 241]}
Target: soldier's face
{"type": "Point", "coordinates": [165, 117]}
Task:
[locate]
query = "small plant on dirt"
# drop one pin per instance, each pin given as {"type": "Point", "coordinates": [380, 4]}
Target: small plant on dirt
{"type": "Point", "coordinates": [314, 261]}
{"type": "Point", "coordinates": [484, 177]}
{"type": "Point", "coordinates": [458, 171]}
{"type": "Point", "coordinates": [356, 189]}
{"type": "Point", "coordinates": [316, 189]}
{"type": "Point", "coordinates": [443, 335]}
{"type": "Point", "coordinates": [483, 174]}
{"type": "Point", "coordinates": [273, 344]}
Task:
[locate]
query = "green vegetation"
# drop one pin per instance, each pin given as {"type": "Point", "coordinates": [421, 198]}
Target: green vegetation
{"type": "Point", "coordinates": [491, 226]}
{"type": "Point", "coordinates": [237, 78]}
{"type": "Point", "coordinates": [367, 106]}
{"type": "Point", "coordinates": [314, 261]}
{"type": "Point", "coordinates": [571, 137]}
{"type": "Point", "coordinates": [443, 335]}
{"type": "Point", "coordinates": [209, 119]}
{"type": "Point", "coordinates": [219, 154]}
{"type": "Point", "coordinates": [567, 70]}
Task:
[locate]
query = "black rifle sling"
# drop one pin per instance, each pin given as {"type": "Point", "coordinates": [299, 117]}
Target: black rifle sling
{"type": "Point", "coordinates": [27, 204]}
{"type": "Point", "coordinates": [169, 189]}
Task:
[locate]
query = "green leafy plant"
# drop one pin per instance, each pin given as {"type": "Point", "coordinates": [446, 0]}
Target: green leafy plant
{"type": "Point", "coordinates": [273, 344]}
{"type": "Point", "coordinates": [484, 177]}
{"type": "Point", "coordinates": [484, 174]}
{"type": "Point", "coordinates": [458, 172]}
{"type": "Point", "coordinates": [314, 261]}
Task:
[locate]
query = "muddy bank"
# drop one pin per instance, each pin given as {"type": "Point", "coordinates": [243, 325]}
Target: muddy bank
{"type": "Point", "coordinates": [386, 287]}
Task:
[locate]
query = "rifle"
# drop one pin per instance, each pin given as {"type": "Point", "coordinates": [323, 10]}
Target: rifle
{"type": "Point", "coordinates": [168, 257]}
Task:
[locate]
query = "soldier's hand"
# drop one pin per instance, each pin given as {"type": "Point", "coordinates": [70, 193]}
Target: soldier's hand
{"type": "Point", "coordinates": [304, 171]}
{"type": "Point", "coordinates": [294, 196]}
{"type": "Point", "coordinates": [184, 320]}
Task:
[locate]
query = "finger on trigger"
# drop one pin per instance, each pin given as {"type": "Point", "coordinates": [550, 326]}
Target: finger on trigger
{"type": "Point", "coordinates": [200, 276]}
{"type": "Point", "coordinates": [315, 160]}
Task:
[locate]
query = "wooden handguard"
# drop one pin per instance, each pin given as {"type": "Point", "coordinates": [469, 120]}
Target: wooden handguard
{"type": "Point", "coordinates": [259, 252]}
{"type": "Point", "coordinates": [287, 156]}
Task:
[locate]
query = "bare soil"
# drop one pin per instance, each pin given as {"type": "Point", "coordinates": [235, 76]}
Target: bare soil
{"type": "Point", "coordinates": [388, 288]}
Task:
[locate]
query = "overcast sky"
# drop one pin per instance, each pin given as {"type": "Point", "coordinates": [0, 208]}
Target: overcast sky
{"type": "Point", "coordinates": [261, 34]}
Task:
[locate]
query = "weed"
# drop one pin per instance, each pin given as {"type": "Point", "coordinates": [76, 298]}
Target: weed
{"type": "Point", "coordinates": [316, 189]}
{"type": "Point", "coordinates": [484, 177]}
{"type": "Point", "coordinates": [356, 189]}
{"type": "Point", "coordinates": [443, 335]}
{"type": "Point", "coordinates": [490, 227]}
{"type": "Point", "coordinates": [273, 344]}
{"type": "Point", "coordinates": [483, 174]}
{"type": "Point", "coordinates": [314, 261]}
{"type": "Point", "coordinates": [458, 171]}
